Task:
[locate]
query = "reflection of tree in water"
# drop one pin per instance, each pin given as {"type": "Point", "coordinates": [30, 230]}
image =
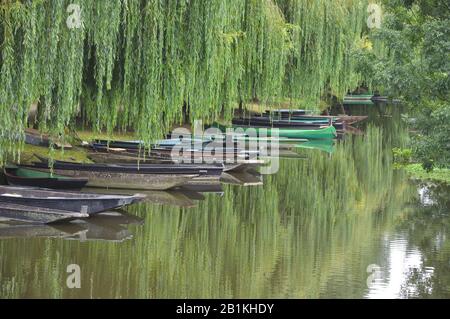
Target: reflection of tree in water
{"type": "Point", "coordinates": [428, 228]}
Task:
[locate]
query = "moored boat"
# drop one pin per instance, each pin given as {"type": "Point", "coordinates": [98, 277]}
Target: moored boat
{"type": "Point", "coordinates": [34, 137]}
{"type": "Point", "coordinates": [287, 123]}
{"type": "Point", "coordinates": [287, 112]}
{"type": "Point", "coordinates": [132, 176]}
{"type": "Point", "coordinates": [324, 119]}
{"type": "Point", "coordinates": [364, 99]}
{"type": "Point", "coordinates": [111, 158]}
{"type": "Point", "coordinates": [20, 176]}
{"type": "Point", "coordinates": [322, 133]}
{"type": "Point", "coordinates": [181, 169]}
{"type": "Point", "coordinates": [66, 201]}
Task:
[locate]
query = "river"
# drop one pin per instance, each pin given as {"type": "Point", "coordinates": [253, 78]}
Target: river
{"type": "Point", "coordinates": [338, 224]}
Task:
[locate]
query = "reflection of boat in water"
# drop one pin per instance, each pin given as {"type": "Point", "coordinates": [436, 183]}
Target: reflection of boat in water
{"type": "Point", "coordinates": [69, 202]}
{"type": "Point", "coordinates": [177, 197]}
{"type": "Point", "coordinates": [109, 226]}
{"type": "Point", "coordinates": [322, 145]}
{"type": "Point", "coordinates": [194, 191]}
{"type": "Point", "coordinates": [37, 215]}
{"type": "Point", "coordinates": [19, 230]}
{"type": "Point", "coordinates": [245, 178]}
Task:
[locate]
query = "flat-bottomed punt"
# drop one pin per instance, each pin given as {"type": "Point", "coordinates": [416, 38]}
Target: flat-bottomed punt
{"type": "Point", "coordinates": [132, 176]}
{"type": "Point", "coordinates": [322, 133]}
{"type": "Point", "coordinates": [34, 137]}
{"type": "Point", "coordinates": [285, 123]}
{"type": "Point", "coordinates": [112, 158]}
{"type": "Point", "coordinates": [66, 201]}
{"type": "Point", "coordinates": [19, 176]}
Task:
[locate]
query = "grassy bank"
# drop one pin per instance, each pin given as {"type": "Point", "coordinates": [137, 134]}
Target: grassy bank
{"type": "Point", "coordinates": [438, 174]}
{"type": "Point", "coordinates": [76, 154]}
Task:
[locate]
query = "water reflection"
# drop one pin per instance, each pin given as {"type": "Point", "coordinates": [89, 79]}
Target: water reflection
{"type": "Point", "coordinates": [310, 231]}
{"type": "Point", "coordinates": [108, 226]}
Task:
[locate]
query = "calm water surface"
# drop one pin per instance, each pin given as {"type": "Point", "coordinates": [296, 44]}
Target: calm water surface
{"type": "Point", "coordinates": [334, 225]}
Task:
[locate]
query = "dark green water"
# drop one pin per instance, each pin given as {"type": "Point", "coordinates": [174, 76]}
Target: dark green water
{"type": "Point", "coordinates": [311, 231]}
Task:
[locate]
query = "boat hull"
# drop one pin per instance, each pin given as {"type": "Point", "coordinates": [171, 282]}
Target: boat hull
{"type": "Point", "coordinates": [51, 182]}
{"type": "Point", "coordinates": [72, 202]}
{"type": "Point", "coordinates": [127, 180]}
{"type": "Point", "coordinates": [324, 133]}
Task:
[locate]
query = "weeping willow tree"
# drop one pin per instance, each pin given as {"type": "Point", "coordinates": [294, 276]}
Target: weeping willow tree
{"type": "Point", "coordinates": [139, 63]}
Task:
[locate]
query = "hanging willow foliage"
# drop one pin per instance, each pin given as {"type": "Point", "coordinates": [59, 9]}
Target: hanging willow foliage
{"type": "Point", "coordinates": [137, 63]}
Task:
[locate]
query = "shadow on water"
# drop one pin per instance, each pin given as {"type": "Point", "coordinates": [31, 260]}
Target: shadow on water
{"type": "Point", "coordinates": [310, 231]}
{"type": "Point", "coordinates": [108, 226]}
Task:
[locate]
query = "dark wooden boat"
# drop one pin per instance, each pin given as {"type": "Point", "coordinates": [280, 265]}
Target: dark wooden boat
{"type": "Point", "coordinates": [120, 144]}
{"type": "Point", "coordinates": [208, 154]}
{"type": "Point", "coordinates": [276, 123]}
{"type": "Point", "coordinates": [34, 137]}
{"type": "Point", "coordinates": [136, 145]}
{"type": "Point", "coordinates": [185, 154]}
{"type": "Point", "coordinates": [180, 169]}
{"type": "Point", "coordinates": [111, 158]}
{"type": "Point", "coordinates": [286, 112]}
{"type": "Point", "coordinates": [36, 214]}
{"type": "Point", "coordinates": [127, 158]}
{"type": "Point", "coordinates": [20, 176]}
{"type": "Point", "coordinates": [347, 119]}
{"type": "Point", "coordinates": [132, 176]}
{"type": "Point", "coordinates": [66, 201]}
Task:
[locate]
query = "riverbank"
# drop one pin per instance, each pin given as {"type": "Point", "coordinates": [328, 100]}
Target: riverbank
{"type": "Point", "coordinates": [438, 174]}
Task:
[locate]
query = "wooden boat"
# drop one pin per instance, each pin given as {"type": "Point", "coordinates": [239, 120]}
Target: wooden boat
{"type": "Point", "coordinates": [34, 137]}
{"type": "Point", "coordinates": [322, 133]}
{"type": "Point", "coordinates": [136, 145]}
{"type": "Point", "coordinates": [108, 158]}
{"type": "Point", "coordinates": [281, 123]}
{"type": "Point", "coordinates": [208, 154]}
{"type": "Point", "coordinates": [126, 158]}
{"type": "Point", "coordinates": [364, 99]}
{"type": "Point", "coordinates": [67, 201]}
{"type": "Point", "coordinates": [35, 214]}
{"type": "Point", "coordinates": [120, 144]}
{"type": "Point", "coordinates": [347, 119]}
{"type": "Point", "coordinates": [180, 169]}
{"type": "Point", "coordinates": [20, 176]}
{"type": "Point", "coordinates": [125, 176]}
{"type": "Point", "coordinates": [287, 112]}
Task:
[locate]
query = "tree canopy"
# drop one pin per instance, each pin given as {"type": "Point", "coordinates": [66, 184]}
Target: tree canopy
{"type": "Point", "coordinates": [136, 63]}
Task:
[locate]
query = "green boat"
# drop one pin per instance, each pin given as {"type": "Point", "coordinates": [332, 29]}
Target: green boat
{"type": "Point", "coordinates": [362, 99]}
{"type": "Point", "coordinates": [246, 138]}
{"type": "Point", "coordinates": [323, 133]}
{"type": "Point", "coordinates": [21, 176]}
{"type": "Point", "coordinates": [322, 145]}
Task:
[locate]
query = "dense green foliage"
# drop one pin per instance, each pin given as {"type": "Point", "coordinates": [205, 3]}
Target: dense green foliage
{"type": "Point", "coordinates": [137, 63]}
{"type": "Point", "coordinates": [416, 68]}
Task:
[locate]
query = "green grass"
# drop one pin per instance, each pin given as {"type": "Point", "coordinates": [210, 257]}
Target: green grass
{"type": "Point", "coordinates": [76, 154]}
{"type": "Point", "coordinates": [89, 136]}
{"type": "Point", "coordinates": [438, 174]}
